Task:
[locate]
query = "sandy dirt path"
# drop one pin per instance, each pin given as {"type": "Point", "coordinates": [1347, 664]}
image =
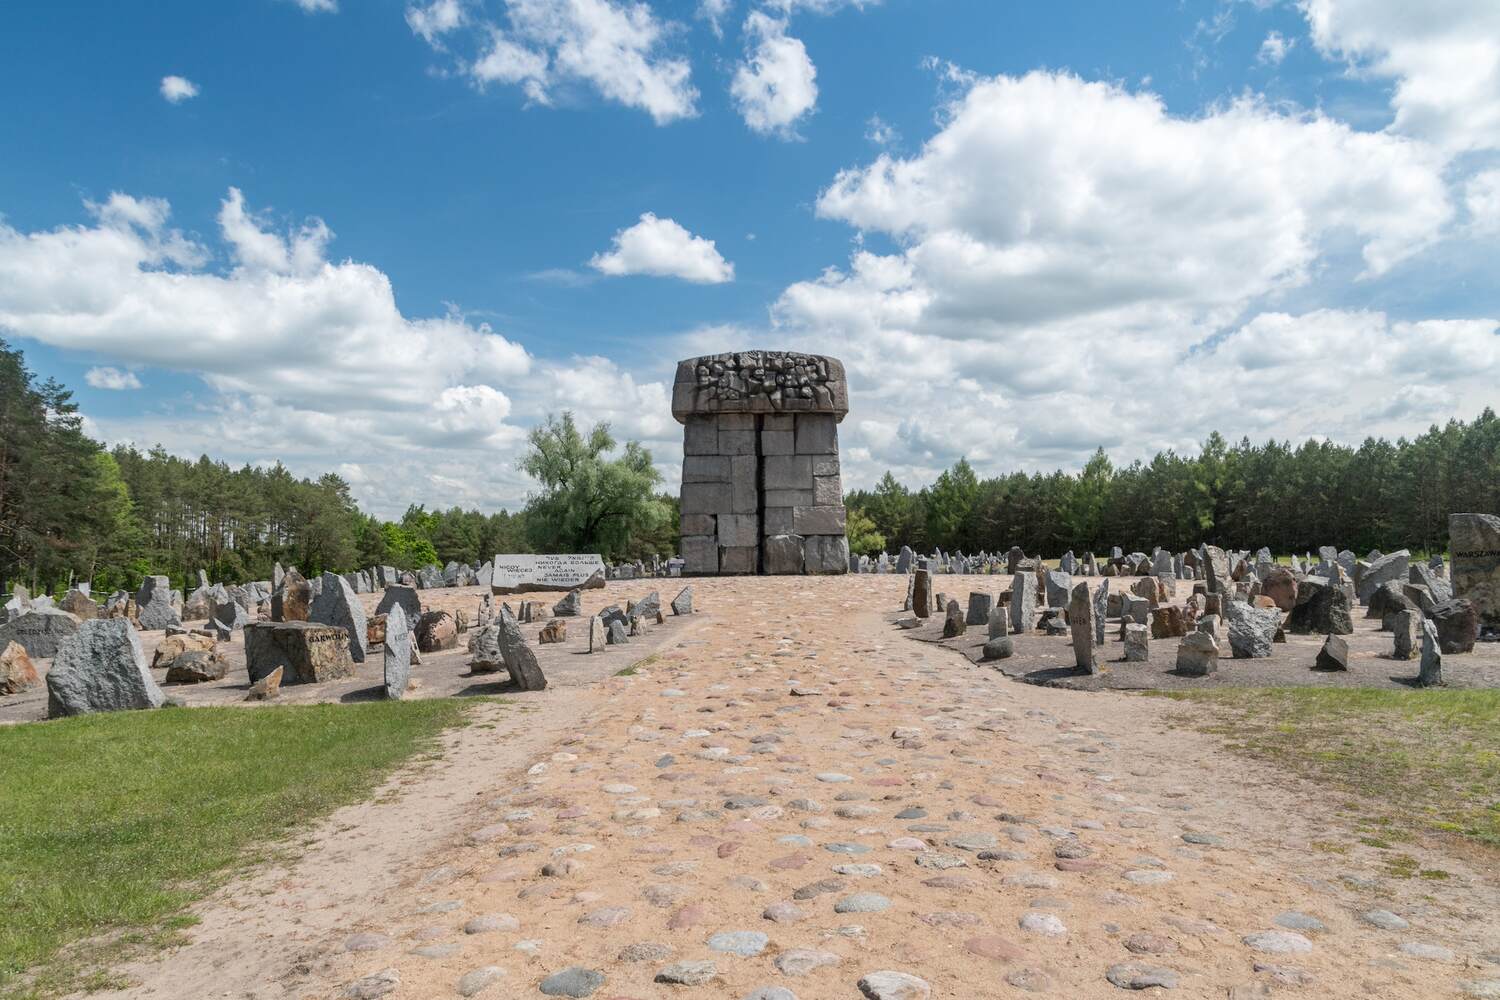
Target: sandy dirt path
{"type": "Point", "coordinates": [800, 801]}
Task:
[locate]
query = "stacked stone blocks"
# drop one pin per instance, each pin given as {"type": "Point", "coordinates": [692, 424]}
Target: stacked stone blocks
{"type": "Point", "coordinates": [761, 486]}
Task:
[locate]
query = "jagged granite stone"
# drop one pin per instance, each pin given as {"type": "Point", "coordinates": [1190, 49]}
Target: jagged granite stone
{"type": "Point", "coordinates": [682, 604]}
{"type": "Point", "coordinates": [1457, 623]}
{"type": "Point", "coordinates": [41, 631]}
{"type": "Point", "coordinates": [336, 604]}
{"type": "Point", "coordinates": [1431, 671]}
{"type": "Point", "coordinates": [101, 668]}
{"type": "Point", "coordinates": [520, 660]}
{"type": "Point", "coordinates": [1395, 566]}
{"type": "Point", "coordinates": [1251, 630]}
{"type": "Point", "coordinates": [1321, 608]}
{"type": "Point", "coordinates": [1334, 655]}
{"type": "Point", "coordinates": [571, 606]}
{"type": "Point", "coordinates": [153, 603]}
{"type": "Point", "coordinates": [411, 602]}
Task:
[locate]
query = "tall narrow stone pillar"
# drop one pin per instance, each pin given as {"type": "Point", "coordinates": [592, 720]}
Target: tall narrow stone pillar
{"type": "Point", "coordinates": [761, 487]}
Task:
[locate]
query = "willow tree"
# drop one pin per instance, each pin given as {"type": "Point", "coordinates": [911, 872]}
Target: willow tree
{"type": "Point", "coordinates": [591, 499]}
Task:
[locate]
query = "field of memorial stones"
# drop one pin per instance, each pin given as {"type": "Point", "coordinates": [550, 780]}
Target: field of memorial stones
{"type": "Point", "coordinates": [1209, 618]}
{"type": "Point", "coordinates": [327, 640]}
{"type": "Point", "coordinates": [763, 787]}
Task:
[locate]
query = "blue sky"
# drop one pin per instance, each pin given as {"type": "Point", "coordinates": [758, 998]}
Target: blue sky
{"type": "Point", "coordinates": [389, 237]}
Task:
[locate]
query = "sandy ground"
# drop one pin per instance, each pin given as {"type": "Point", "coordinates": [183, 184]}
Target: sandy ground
{"type": "Point", "coordinates": [839, 801]}
{"type": "Point", "coordinates": [440, 675]}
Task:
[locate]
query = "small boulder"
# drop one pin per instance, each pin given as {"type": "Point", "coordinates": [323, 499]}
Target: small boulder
{"type": "Point", "coordinates": [1457, 623]}
{"type": "Point", "coordinates": [17, 673]}
{"type": "Point", "coordinates": [553, 632]}
{"type": "Point", "coordinates": [290, 603]}
{"type": "Point", "coordinates": [266, 688]}
{"type": "Point", "coordinates": [196, 666]}
{"type": "Point", "coordinates": [153, 602]}
{"type": "Point", "coordinates": [1334, 655]}
{"type": "Point", "coordinates": [411, 602]}
{"type": "Point", "coordinates": [79, 605]}
{"type": "Point", "coordinates": [953, 621]}
{"type": "Point", "coordinates": [682, 604]}
{"type": "Point", "coordinates": [435, 632]}
{"type": "Point", "coordinates": [1197, 655]}
{"type": "Point", "coordinates": [173, 646]}
{"type": "Point", "coordinates": [570, 606]}
{"type": "Point", "coordinates": [1251, 630]}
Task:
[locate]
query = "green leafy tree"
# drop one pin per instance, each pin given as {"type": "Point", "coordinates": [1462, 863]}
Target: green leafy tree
{"type": "Point", "coordinates": [1087, 498]}
{"type": "Point", "coordinates": [950, 507]}
{"type": "Point", "coordinates": [589, 501]}
{"type": "Point", "coordinates": [864, 538]}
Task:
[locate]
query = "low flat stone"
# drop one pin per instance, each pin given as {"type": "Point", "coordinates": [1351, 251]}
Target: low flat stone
{"type": "Point", "coordinates": [575, 981]}
{"type": "Point", "coordinates": [742, 943]}
{"type": "Point", "coordinates": [804, 961]}
{"type": "Point", "coordinates": [1292, 920]}
{"type": "Point", "coordinates": [694, 973]}
{"type": "Point", "coordinates": [492, 922]}
{"type": "Point", "coordinates": [1278, 942]}
{"type": "Point", "coordinates": [1136, 976]}
{"type": "Point", "coordinates": [476, 982]}
{"type": "Point", "coordinates": [862, 902]}
{"type": "Point", "coordinates": [1384, 919]}
{"type": "Point", "coordinates": [887, 985]}
{"type": "Point", "coordinates": [1045, 924]}
{"type": "Point", "coordinates": [373, 986]}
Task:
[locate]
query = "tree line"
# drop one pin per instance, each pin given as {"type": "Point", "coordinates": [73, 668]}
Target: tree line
{"type": "Point", "coordinates": [1291, 498]}
{"type": "Point", "coordinates": [72, 510]}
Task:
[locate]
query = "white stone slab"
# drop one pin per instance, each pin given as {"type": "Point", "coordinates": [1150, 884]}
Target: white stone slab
{"type": "Point", "coordinates": [523, 574]}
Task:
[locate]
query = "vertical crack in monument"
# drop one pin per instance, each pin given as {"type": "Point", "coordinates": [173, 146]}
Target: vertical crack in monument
{"type": "Point", "coordinates": [761, 488]}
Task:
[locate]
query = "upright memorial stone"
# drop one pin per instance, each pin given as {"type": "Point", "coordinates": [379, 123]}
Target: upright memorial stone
{"type": "Point", "coordinates": [921, 593]}
{"type": "Point", "coordinates": [1474, 541]}
{"type": "Point", "coordinates": [1101, 610]}
{"type": "Point", "coordinates": [1022, 602]}
{"type": "Point", "coordinates": [397, 658]}
{"type": "Point", "coordinates": [1080, 621]}
{"type": "Point", "coordinates": [761, 486]}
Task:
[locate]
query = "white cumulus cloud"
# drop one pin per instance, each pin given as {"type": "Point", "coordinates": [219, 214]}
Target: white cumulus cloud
{"type": "Point", "coordinates": [436, 19]}
{"type": "Point", "coordinates": [111, 378]}
{"type": "Point", "coordinates": [1444, 56]}
{"type": "Point", "coordinates": [1075, 266]}
{"type": "Point", "coordinates": [177, 89]}
{"type": "Point", "coordinates": [318, 6]}
{"type": "Point", "coordinates": [1274, 48]}
{"type": "Point", "coordinates": [663, 248]}
{"type": "Point", "coordinates": [775, 87]}
{"type": "Point", "coordinates": [618, 48]}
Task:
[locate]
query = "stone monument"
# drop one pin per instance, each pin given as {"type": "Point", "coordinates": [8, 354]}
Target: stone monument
{"type": "Point", "coordinates": [761, 490]}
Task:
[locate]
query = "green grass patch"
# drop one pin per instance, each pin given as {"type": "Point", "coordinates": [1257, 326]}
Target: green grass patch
{"type": "Point", "coordinates": [111, 824]}
{"type": "Point", "coordinates": [1415, 762]}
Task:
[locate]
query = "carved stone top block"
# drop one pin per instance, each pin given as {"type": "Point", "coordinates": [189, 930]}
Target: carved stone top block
{"type": "Point", "coordinates": [760, 382]}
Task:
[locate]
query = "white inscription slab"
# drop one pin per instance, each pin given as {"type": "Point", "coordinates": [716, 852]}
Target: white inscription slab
{"type": "Point", "coordinates": [522, 574]}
